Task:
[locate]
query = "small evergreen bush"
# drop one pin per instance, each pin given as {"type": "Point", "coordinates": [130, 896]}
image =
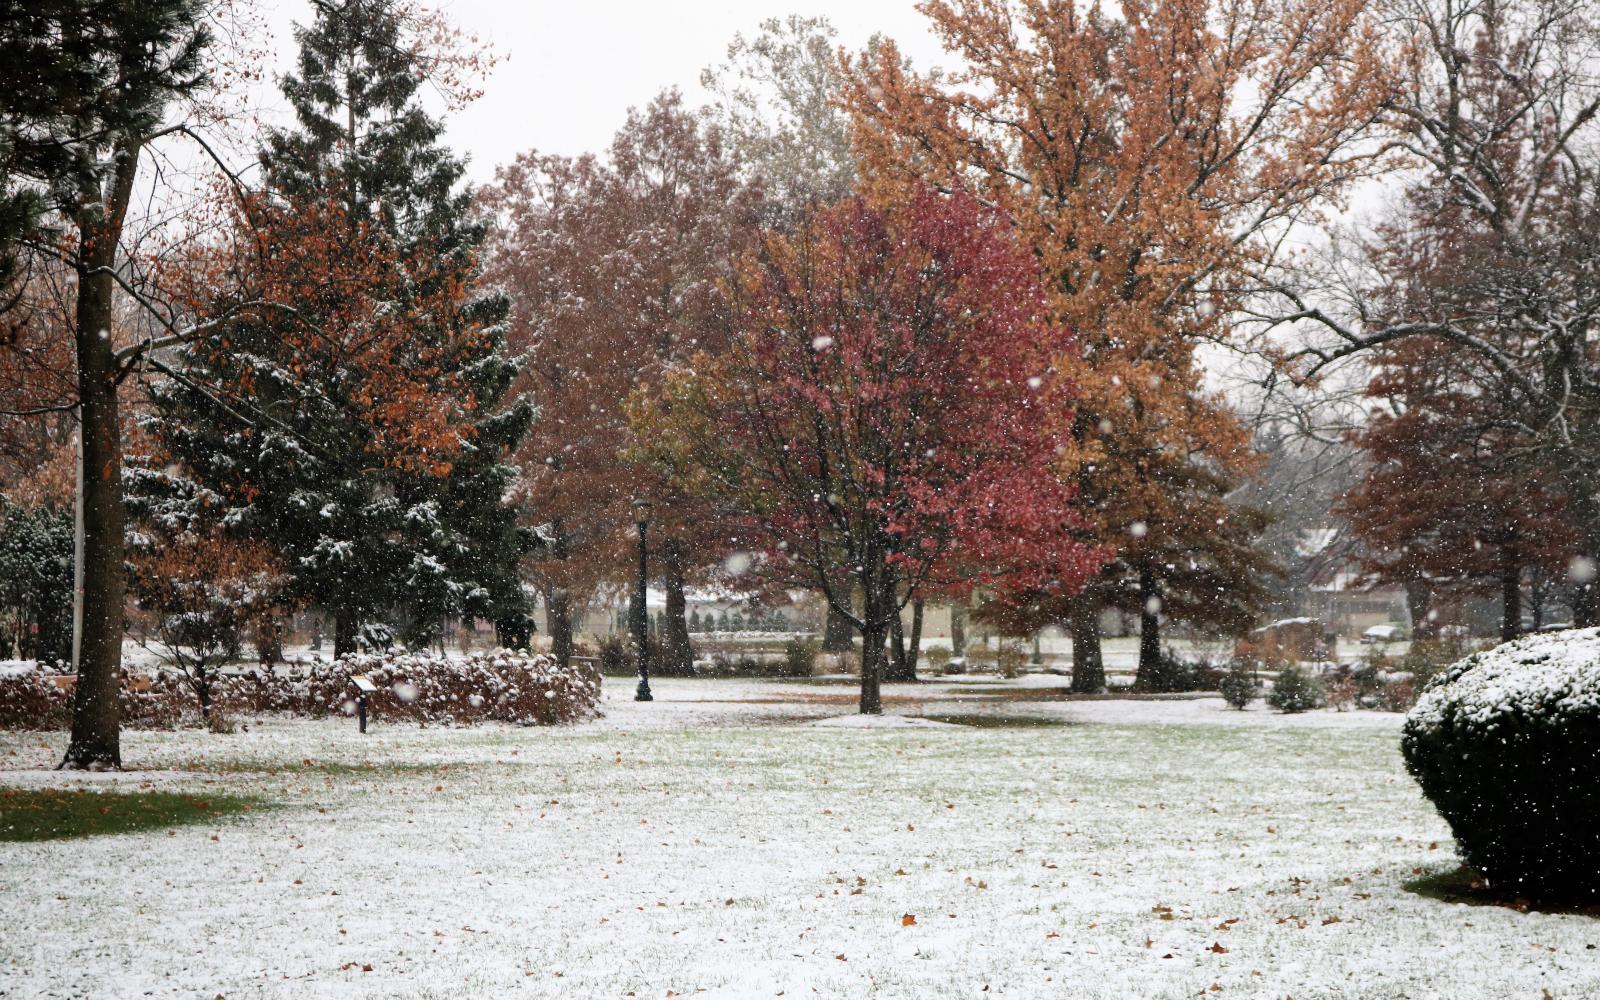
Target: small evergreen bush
{"type": "Point", "coordinates": [1172, 673]}
{"type": "Point", "coordinates": [1238, 685]}
{"type": "Point", "coordinates": [1295, 690]}
{"type": "Point", "coordinates": [614, 656]}
{"type": "Point", "coordinates": [939, 660]}
{"type": "Point", "coordinates": [799, 656]}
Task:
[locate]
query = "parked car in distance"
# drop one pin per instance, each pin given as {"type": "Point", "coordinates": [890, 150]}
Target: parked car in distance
{"type": "Point", "coordinates": [1383, 633]}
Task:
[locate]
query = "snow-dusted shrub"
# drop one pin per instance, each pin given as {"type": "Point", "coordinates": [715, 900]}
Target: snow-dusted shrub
{"type": "Point", "coordinates": [33, 700]}
{"type": "Point", "coordinates": [1341, 688]}
{"type": "Point", "coordinates": [939, 660]}
{"type": "Point", "coordinates": [1238, 684]}
{"type": "Point", "coordinates": [1295, 690]}
{"type": "Point", "coordinates": [501, 686]}
{"type": "Point", "coordinates": [1506, 744]}
{"type": "Point", "coordinates": [1396, 694]}
{"type": "Point", "coordinates": [29, 699]}
{"type": "Point", "coordinates": [1010, 659]}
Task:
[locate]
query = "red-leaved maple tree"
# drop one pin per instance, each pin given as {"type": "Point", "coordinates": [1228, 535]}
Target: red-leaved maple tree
{"type": "Point", "coordinates": [887, 412]}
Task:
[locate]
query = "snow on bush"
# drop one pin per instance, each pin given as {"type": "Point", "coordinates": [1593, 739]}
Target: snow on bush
{"type": "Point", "coordinates": [500, 686]}
{"type": "Point", "coordinates": [1506, 744]}
{"type": "Point", "coordinates": [1295, 690]}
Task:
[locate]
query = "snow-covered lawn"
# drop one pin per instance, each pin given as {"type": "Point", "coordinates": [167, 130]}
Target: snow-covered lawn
{"type": "Point", "coordinates": [714, 843]}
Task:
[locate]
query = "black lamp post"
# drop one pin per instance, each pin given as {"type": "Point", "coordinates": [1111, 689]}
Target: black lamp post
{"type": "Point", "coordinates": [641, 613]}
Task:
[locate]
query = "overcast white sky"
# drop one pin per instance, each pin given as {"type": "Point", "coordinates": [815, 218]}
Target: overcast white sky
{"type": "Point", "coordinates": [570, 69]}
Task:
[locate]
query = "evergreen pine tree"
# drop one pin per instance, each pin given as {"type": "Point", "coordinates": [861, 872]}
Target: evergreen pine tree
{"type": "Point", "coordinates": [310, 453]}
{"type": "Point", "coordinates": [35, 582]}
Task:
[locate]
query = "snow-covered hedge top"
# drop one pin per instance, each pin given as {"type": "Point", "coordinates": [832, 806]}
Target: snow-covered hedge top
{"type": "Point", "coordinates": [1551, 676]}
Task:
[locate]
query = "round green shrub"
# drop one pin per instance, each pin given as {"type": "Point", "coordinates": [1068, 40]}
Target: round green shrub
{"type": "Point", "coordinates": [1238, 684]}
{"type": "Point", "coordinates": [1295, 690]}
{"type": "Point", "coordinates": [1506, 744]}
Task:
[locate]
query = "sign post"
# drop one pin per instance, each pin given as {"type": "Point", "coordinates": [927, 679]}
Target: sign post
{"type": "Point", "coordinates": [364, 686]}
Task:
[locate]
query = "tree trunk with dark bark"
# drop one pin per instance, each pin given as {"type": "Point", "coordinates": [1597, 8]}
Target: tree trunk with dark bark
{"type": "Point", "coordinates": [899, 669]}
{"type": "Point", "coordinates": [872, 670]}
{"type": "Point", "coordinates": [1149, 674]}
{"type": "Point", "coordinates": [838, 635]}
{"type": "Point", "coordinates": [559, 605]}
{"type": "Point", "coordinates": [269, 643]}
{"type": "Point", "coordinates": [345, 629]}
{"type": "Point", "coordinates": [877, 606]}
{"type": "Point", "coordinates": [1510, 594]}
{"type": "Point", "coordinates": [914, 646]}
{"type": "Point", "coordinates": [202, 692]}
{"type": "Point", "coordinates": [96, 718]}
{"type": "Point", "coordinates": [1419, 602]}
{"type": "Point", "coordinates": [958, 630]}
{"type": "Point", "coordinates": [1088, 667]}
{"type": "Point", "coordinates": [677, 653]}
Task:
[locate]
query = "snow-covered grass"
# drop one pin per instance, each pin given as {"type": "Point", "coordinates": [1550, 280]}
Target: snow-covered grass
{"type": "Point", "coordinates": [711, 843]}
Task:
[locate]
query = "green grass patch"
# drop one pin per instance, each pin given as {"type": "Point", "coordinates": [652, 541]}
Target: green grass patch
{"type": "Point", "coordinates": [35, 814]}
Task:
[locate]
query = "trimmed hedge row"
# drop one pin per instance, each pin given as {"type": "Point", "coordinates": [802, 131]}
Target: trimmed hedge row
{"type": "Point", "coordinates": [1506, 744]}
{"type": "Point", "coordinates": [500, 686]}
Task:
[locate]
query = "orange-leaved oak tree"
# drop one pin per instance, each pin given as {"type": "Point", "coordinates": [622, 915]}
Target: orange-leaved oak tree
{"type": "Point", "coordinates": [1152, 160]}
{"type": "Point", "coordinates": [886, 411]}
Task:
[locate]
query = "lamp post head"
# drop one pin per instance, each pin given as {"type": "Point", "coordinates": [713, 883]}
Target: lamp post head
{"type": "Point", "coordinates": [641, 512]}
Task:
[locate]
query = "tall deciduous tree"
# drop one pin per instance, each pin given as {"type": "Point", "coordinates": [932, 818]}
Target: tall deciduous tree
{"type": "Point", "coordinates": [1499, 112]}
{"type": "Point", "coordinates": [614, 269]}
{"type": "Point", "coordinates": [120, 68]}
{"type": "Point", "coordinates": [1454, 500]}
{"type": "Point", "coordinates": [777, 99]}
{"type": "Point", "coordinates": [887, 403]}
{"type": "Point", "coordinates": [1152, 161]}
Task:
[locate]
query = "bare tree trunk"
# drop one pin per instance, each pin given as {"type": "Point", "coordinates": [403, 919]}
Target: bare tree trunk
{"type": "Point", "coordinates": [559, 604]}
{"type": "Point", "coordinates": [1088, 667]}
{"type": "Point", "coordinates": [875, 621]}
{"type": "Point", "coordinates": [872, 670]}
{"type": "Point", "coordinates": [838, 635]}
{"type": "Point", "coordinates": [899, 670]}
{"type": "Point", "coordinates": [345, 627]}
{"type": "Point", "coordinates": [1149, 674]}
{"type": "Point", "coordinates": [96, 719]}
{"type": "Point", "coordinates": [269, 642]}
{"type": "Point", "coordinates": [1510, 593]}
{"type": "Point", "coordinates": [958, 630]}
{"type": "Point", "coordinates": [914, 647]}
{"type": "Point", "coordinates": [677, 653]}
{"type": "Point", "coordinates": [202, 690]}
{"type": "Point", "coordinates": [1419, 602]}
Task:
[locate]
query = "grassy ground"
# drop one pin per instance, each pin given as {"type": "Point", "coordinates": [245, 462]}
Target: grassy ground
{"type": "Point", "coordinates": [28, 814]}
{"type": "Point", "coordinates": [712, 844]}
